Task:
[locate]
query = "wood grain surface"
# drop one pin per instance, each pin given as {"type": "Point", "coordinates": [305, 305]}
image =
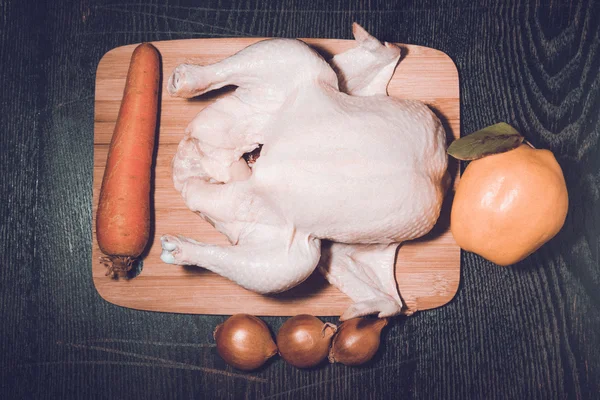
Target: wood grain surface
{"type": "Point", "coordinates": [427, 270]}
{"type": "Point", "coordinates": [531, 331]}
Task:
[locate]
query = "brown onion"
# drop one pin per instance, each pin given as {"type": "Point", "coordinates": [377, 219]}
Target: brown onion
{"type": "Point", "coordinates": [244, 342]}
{"type": "Point", "coordinates": [356, 341]}
{"type": "Point", "coordinates": [304, 340]}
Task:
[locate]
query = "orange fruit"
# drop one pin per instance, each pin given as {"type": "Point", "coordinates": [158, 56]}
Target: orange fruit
{"type": "Point", "coordinates": [508, 205]}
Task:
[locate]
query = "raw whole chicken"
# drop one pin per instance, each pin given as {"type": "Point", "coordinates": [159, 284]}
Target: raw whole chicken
{"type": "Point", "coordinates": [345, 173]}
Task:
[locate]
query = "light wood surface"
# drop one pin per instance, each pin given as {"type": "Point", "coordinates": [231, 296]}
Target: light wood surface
{"type": "Point", "coordinates": [427, 270]}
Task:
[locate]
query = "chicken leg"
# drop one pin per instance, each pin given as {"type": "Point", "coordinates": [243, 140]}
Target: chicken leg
{"type": "Point", "coordinates": [272, 68]}
{"type": "Point", "coordinates": [271, 266]}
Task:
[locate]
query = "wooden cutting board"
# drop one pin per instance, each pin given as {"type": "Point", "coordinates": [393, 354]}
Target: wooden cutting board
{"type": "Point", "coordinates": [427, 270]}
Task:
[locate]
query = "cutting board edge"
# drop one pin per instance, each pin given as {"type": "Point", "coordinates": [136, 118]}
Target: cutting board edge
{"type": "Point", "coordinates": [280, 311]}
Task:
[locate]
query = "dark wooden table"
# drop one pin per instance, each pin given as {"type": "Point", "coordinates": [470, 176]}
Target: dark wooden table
{"type": "Point", "coordinates": [529, 331]}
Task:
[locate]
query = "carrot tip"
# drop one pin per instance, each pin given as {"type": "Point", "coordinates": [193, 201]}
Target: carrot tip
{"type": "Point", "coordinates": [117, 266]}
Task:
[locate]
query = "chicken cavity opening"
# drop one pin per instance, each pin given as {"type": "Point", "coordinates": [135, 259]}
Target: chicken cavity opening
{"type": "Point", "coordinates": [252, 156]}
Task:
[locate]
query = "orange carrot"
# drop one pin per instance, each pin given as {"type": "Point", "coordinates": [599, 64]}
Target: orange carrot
{"type": "Point", "coordinates": [123, 218]}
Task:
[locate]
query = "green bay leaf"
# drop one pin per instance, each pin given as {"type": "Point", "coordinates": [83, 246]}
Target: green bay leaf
{"type": "Point", "coordinates": [494, 139]}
